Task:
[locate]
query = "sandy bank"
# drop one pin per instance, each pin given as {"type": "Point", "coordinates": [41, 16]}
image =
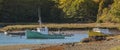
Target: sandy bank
{"type": "Point", "coordinates": [22, 47]}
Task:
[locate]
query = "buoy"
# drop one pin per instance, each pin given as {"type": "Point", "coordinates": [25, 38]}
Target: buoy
{"type": "Point", "coordinates": [5, 33]}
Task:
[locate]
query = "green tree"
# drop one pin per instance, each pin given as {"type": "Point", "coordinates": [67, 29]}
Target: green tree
{"type": "Point", "coordinates": [114, 12]}
{"type": "Point", "coordinates": [26, 10]}
{"type": "Point", "coordinates": [104, 6]}
{"type": "Point", "coordinates": [77, 10]}
{"type": "Point", "coordinates": [110, 12]}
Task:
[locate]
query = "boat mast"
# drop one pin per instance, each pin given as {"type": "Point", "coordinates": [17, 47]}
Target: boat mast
{"type": "Point", "coordinates": [39, 16]}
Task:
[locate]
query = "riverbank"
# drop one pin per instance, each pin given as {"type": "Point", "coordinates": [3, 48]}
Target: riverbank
{"type": "Point", "coordinates": [66, 26]}
{"type": "Point", "coordinates": [24, 46]}
{"type": "Point", "coordinates": [113, 44]}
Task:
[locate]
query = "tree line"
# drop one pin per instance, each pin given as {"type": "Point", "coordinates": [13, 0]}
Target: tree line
{"type": "Point", "coordinates": [60, 11]}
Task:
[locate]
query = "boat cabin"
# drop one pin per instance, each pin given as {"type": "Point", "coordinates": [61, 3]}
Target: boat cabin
{"type": "Point", "coordinates": [43, 30]}
{"type": "Point", "coordinates": [104, 31]}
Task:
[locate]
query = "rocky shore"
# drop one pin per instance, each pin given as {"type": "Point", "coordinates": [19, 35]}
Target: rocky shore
{"type": "Point", "coordinates": [111, 42]}
{"type": "Point", "coordinates": [103, 45]}
{"type": "Point", "coordinates": [23, 47]}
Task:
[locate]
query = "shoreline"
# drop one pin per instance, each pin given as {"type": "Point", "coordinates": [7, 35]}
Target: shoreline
{"type": "Point", "coordinates": [24, 46]}
{"type": "Point", "coordinates": [100, 45]}
{"type": "Point", "coordinates": [95, 45]}
{"type": "Point", "coordinates": [64, 26]}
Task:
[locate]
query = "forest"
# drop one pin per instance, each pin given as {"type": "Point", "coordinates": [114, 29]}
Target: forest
{"type": "Point", "coordinates": [60, 11]}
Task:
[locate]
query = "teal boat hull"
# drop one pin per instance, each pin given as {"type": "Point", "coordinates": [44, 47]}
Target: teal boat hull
{"type": "Point", "coordinates": [37, 35]}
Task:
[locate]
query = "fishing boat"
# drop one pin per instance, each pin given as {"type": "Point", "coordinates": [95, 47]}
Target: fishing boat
{"type": "Point", "coordinates": [42, 32]}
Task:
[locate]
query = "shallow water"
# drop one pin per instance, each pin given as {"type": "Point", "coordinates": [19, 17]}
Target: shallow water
{"type": "Point", "coordinates": [9, 40]}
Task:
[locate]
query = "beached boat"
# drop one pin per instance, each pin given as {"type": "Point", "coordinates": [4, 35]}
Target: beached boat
{"type": "Point", "coordinates": [99, 32]}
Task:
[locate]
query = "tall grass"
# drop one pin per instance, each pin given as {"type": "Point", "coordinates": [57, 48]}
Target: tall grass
{"type": "Point", "coordinates": [54, 25]}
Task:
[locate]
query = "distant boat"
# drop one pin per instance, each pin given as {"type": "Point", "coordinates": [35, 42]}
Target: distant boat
{"type": "Point", "coordinates": [16, 33]}
{"type": "Point", "coordinates": [42, 32]}
{"type": "Point", "coordinates": [99, 31]}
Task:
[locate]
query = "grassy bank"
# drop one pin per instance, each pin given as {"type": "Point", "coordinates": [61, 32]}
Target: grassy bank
{"type": "Point", "coordinates": [56, 26]}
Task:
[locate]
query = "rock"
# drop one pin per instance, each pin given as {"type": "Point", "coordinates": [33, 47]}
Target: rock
{"type": "Point", "coordinates": [86, 40]}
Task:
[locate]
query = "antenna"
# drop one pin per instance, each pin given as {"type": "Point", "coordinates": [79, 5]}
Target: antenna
{"type": "Point", "coordinates": [39, 16]}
